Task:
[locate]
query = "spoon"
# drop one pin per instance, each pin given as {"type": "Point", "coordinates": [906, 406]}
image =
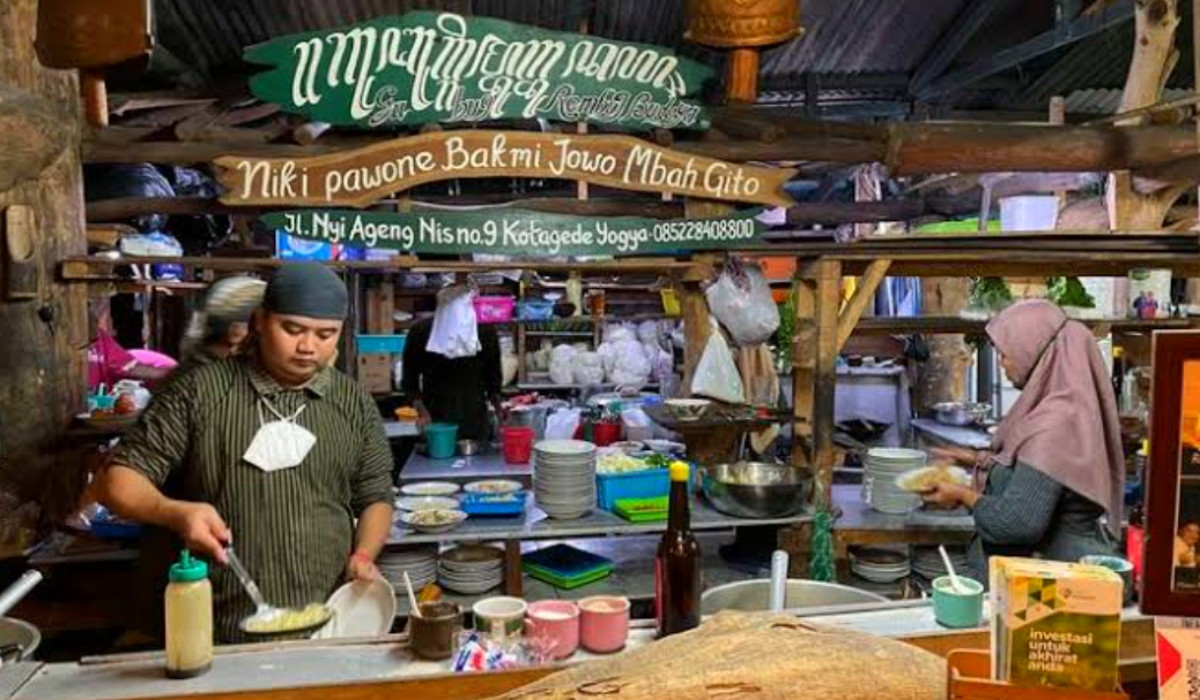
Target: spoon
{"type": "Point", "coordinates": [412, 599]}
{"type": "Point", "coordinates": [955, 583]}
{"type": "Point", "coordinates": [262, 610]}
{"type": "Point", "coordinates": [779, 569]}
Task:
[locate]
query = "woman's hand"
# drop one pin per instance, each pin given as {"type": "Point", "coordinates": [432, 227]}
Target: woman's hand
{"type": "Point", "coordinates": [961, 456]}
{"type": "Point", "coordinates": [950, 496]}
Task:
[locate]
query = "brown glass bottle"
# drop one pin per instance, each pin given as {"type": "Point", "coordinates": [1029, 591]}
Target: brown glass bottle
{"type": "Point", "coordinates": [677, 564]}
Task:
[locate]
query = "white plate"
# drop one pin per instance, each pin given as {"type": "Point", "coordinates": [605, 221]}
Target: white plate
{"type": "Point", "coordinates": [429, 488]}
{"type": "Point", "coordinates": [493, 486]}
{"type": "Point", "coordinates": [415, 503]}
{"type": "Point", "coordinates": [666, 446]}
{"type": "Point", "coordinates": [565, 448]}
{"type": "Point", "coordinates": [360, 609]}
{"type": "Point", "coordinates": [413, 520]}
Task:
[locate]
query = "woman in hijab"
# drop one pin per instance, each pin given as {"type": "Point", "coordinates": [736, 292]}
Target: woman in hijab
{"type": "Point", "coordinates": [1056, 468]}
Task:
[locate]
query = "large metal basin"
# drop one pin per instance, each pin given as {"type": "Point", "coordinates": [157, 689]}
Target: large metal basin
{"type": "Point", "coordinates": [756, 489]}
{"type": "Point", "coordinates": [755, 595]}
{"type": "Point", "coordinates": [18, 640]}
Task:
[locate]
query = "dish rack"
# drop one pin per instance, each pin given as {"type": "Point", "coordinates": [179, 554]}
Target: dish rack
{"type": "Point", "coordinates": [968, 677]}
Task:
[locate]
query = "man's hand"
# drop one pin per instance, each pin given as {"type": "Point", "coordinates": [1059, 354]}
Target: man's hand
{"type": "Point", "coordinates": [361, 568]}
{"type": "Point", "coordinates": [202, 529]}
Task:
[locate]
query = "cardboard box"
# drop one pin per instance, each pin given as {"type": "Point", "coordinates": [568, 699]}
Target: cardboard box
{"type": "Point", "coordinates": [375, 372]}
{"type": "Point", "coordinates": [1055, 624]}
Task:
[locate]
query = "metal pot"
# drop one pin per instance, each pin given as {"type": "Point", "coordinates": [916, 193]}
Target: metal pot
{"type": "Point", "coordinates": [959, 413]}
{"type": "Point", "coordinates": [467, 448]}
{"type": "Point", "coordinates": [755, 595]}
{"type": "Point", "coordinates": [756, 489]}
{"type": "Point", "coordinates": [18, 640]}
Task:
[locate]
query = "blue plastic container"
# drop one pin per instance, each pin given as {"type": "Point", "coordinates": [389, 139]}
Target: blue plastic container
{"type": "Point", "coordinates": [390, 344]}
{"type": "Point", "coordinates": [493, 505]}
{"type": "Point", "coordinates": [441, 440]}
{"type": "Point", "coordinates": [535, 310]}
{"type": "Point", "coordinates": [651, 483]}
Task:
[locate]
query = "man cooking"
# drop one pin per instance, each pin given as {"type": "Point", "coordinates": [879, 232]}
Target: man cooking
{"type": "Point", "coordinates": [453, 389]}
{"type": "Point", "coordinates": [273, 450]}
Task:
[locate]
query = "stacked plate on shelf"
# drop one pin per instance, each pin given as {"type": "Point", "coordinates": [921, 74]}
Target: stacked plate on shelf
{"type": "Point", "coordinates": [880, 469]}
{"type": "Point", "coordinates": [880, 565]}
{"type": "Point", "coordinates": [564, 477]}
{"type": "Point", "coordinates": [471, 569]}
{"type": "Point", "coordinates": [421, 563]}
{"type": "Point", "coordinates": [927, 562]}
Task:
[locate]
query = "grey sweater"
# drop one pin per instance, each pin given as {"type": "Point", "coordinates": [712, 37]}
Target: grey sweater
{"type": "Point", "coordinates": [1023, 512]}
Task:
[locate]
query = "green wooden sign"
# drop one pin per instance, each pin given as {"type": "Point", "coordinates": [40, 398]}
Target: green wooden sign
{"type": "Point", "coordinates": [443, 67]}
{"type": "Point", "coordinates": [518, 232]}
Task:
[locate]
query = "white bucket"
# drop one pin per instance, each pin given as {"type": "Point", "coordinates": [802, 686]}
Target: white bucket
{"type": "Point", "coordinates": [1029, 213]}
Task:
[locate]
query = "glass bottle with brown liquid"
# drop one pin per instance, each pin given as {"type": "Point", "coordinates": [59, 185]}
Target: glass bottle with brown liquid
{"type": "Point", "coordinates": [677, 564]}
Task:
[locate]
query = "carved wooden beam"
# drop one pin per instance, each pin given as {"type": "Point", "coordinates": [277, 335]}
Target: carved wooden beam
{"type": "Point", "coordinates": [34, 131]}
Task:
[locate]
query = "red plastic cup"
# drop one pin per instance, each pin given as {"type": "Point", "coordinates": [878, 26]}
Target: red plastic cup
{"type": "Point", "coordinates": [606, 433]}
{"type": "Point", "coordinates": [517, 441]}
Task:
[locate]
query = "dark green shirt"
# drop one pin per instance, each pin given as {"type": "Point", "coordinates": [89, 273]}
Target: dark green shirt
{"type": "Point", "coordinates": [292, 528]}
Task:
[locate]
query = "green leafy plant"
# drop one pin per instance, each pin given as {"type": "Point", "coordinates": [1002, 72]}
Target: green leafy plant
{"type": "Point", "coordinates": [990, 294]}
{"type": "Point", "coordinates": [1069, 291]}
{"type": "Point", "coordinates": [786, 332]}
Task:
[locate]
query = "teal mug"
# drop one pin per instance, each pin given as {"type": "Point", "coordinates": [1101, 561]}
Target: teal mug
{"type": "Point", "coordinates": [1122, 567]}
{"type": "Point", "coordinates": [955, 609]}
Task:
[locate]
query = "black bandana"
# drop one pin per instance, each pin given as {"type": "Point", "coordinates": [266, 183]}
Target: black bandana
{"type": "Point", "coordinates": [306, 289]}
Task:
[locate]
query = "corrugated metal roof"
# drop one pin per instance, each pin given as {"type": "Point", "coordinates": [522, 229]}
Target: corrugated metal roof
{"type": "Point", "coordinates": [864, 50]}
{"type": "Point", "coordinates": [861, 36]}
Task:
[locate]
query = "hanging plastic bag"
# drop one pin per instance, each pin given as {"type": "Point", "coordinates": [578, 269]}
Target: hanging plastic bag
{"type": "Point", "coordinates": [716, 374]}
{"type": "Point", "coordinates": [455, 332]}
{"type": "Point", "coordinates": [561, 424]}
{"type": "Point", "coordinates": [741, 300]}
{"type": "Point", "coordinates": [588, 369]}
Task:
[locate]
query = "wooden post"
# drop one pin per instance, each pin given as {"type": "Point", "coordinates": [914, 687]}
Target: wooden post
{"type": "Point", "coordinates": [42, 339]}
{"type": "Point", "coordinates": [814, 377]}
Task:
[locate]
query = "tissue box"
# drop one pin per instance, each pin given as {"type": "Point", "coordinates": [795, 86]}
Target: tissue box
{"type": "Point", "coordinates": [1055, 624]}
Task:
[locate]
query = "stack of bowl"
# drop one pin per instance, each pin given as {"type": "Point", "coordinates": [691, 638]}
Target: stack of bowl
{"type": "Point", "coordinates": [421, 563]}
{"type": "Point", "coordinates": [564, 477]}
{"type": "Point", "coordinates": [879, 564]}
{"type": "Point", "coordinates": [471, 569]}
{"type": "Point", "coordinates": [880, 469]}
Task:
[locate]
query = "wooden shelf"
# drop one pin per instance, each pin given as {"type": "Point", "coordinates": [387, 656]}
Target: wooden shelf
{"type": "Point", "coordinates": [932, 325]}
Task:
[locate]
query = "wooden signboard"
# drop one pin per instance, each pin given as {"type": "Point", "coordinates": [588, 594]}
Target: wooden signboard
{"type": "Point", "coordinates": [518, 232]}
{"type": "Point", "coordinates": [428, 66]}
{"type": "Point", "coordinates": [359, 177]}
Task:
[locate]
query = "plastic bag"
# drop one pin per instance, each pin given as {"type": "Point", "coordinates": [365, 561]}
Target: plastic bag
{"type": "Point", "coordinates": [588, 369]}
{"type": "Point", "coordinates": [617, 332]}
{"type": "Point", "coordinates": [716, 374]}
{"type": "Point", "coordinates": [562, 364]}
{"type": "Point", "coordinates": [648, 331]}
{"type": "Point", "coordinates": [455, 332]}
{"type": "Point", "coordinates": [631, 367]}
{"type": "Point", "coordinates": [562, 424]}
{"type": "Point", "coordinates": [608, 354]}
{"type": "Point", "coordinates": [638, 425]}
{"type": "Point", "coordinates": [741, 300]}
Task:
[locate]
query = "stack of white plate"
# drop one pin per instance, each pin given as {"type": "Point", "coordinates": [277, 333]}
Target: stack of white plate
{"type": "Point", "coordinates": [880, 469]}
{"type": "Point", "coordinates": [879, 565]}
{"type": "Point", "coordinates": [471, 569]}
{"type": "Point", "coordinates": [564, 477]}
{"type": "Point", "coordinates": [421, 563]}
{"type": "Point", "coordinates": [927, 562]}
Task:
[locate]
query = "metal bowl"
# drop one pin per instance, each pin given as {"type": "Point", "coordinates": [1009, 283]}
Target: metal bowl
{"type": "Point", "coordinates": [18, 640]}
{"type": "Point", "coordinates": [466, 448]}
{"type": "Point", "coordinates": [755, 595]}
{"type": "Point", "coordinates": [756, 489]}
{"type": "Point", "coordinates": [960, 414]}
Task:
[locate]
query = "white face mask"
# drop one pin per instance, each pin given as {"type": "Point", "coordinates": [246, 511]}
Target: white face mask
{"type": "Point", "coordinates": [280, 444]}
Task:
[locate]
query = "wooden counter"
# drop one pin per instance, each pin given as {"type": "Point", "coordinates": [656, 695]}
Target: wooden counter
{"type": "Point", "coordinates": [383, 669]}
